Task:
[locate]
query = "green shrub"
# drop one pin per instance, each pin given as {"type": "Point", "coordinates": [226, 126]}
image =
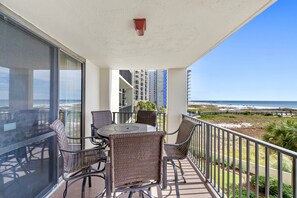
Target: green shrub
{"type": "Point", "coordinates": [146, 105]}
{"type": "Point", "coordinates": [244, 193]}
{"type": "Point", "coordinates": [248, 113]}
{"type": "Point", "coordinates": [207, 116]}
{"type": "Point", "coordinates": [273, 188]}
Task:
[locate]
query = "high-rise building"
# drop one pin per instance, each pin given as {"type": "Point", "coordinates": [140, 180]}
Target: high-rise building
{"type": "Point", "coordinates": [152, 86]}
{"type": "Point", "coordinates": [188, 85]}
{"type": "Point", "coordinates": [126, 91]}
{"type": "Point", "coordinates": [140, 85]}
{"type": "Point", "coordinates": [158, 87]}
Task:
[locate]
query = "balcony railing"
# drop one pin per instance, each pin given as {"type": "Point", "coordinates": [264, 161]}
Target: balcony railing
{"type": "Point", "coordinates": [236, 165]}
{"type": "Point", "coordinates": [130, 117]}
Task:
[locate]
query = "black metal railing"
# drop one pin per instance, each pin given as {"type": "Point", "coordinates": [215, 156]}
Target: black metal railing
{"type": "Point", "coordinates": [130, 117]}
{"type": "Point", "coordinates": [72, 121]}
{"type": "Point", "coordinates": [236, 165]}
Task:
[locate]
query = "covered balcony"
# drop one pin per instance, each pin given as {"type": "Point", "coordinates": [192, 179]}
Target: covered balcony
{"type": "Point", "coordinates": [94, 40]}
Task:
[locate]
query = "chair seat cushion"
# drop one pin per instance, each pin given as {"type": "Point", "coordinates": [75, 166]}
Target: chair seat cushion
{"type": "Point", "coordinates": [83, 159]}
{"type": "Point", "coordinates": [173, 152]}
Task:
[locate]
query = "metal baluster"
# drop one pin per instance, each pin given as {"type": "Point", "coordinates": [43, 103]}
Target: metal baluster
{"type": "Point", "coordinates": [240, 167]}
{"type": "Point", "coordinates": [247, 168]}
{"type": "Point", "coordinates": [198, 145]}
{"type": "Point", "coordinates": [257, 168]}
{"type": "Point", "coordinates": [294, 177]}
{"type": "Point", "coordinates": [207, 150]}
{"type": "Point", "coordinates": [219, 162]}
{"type": "Point", "coordinates": [234, 164]}
{"type": "Point", "coordinates": [228, 164]}
{"type": "Point", "coordinates": [215, 157]}
{"type": "Point", "coordinates": [223, 163]}
{"type": "Point", "coordinates": [204, 149]}
{"type": "Point", "coordinates": [267, 185]}
{"type": "Point", "coordinates": [211, 160]}
{"type": "Point", "coordinates": [164, 117]}
{"type": "Point", "coordinates": [280, 174]}
{"type": "Point", "coordinates": [200, 149]}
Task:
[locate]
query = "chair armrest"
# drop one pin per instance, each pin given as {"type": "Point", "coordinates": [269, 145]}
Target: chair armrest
{"type": "Point", "coordinates": [166, 133]}
{"type": "Point", "coordinates": [79, 138]}
{"type": "Point", "coordinates": [172, 144]}
{"type": "Point", "coordinates": [81, 151]}
{"type": "Point", "coordinates": [93, 127]}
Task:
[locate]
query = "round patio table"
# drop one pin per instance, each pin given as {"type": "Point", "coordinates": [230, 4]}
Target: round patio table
{"type": "Point", "coordinates": [124, 128]}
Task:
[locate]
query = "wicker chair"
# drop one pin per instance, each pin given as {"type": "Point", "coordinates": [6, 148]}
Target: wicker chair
{"type": "Point", "coordinates": [100, 119]}
{"type": "Point", "coordinates": [179, 150]}
{"type": "Point", "coordinates": [134, 163]}
{"type": "Point", "coordinates": [77, 163]}
{"type": "Point", "coordinates": [147, 117]}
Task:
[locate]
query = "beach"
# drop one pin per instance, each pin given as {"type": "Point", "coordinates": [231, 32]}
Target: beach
{"type": "Point", "coordinates": [243, 118]}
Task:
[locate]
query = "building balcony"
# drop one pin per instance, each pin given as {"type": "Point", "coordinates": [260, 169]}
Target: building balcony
{"type": "Point", "coordinates": [94, 43]}
{"type": "Point", "coordinates": [223, 163]}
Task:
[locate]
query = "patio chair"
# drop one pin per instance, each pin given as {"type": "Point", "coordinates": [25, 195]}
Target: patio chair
{"type": "Point", "coordinates": [100, 119]}
{"type": "Point", "coordinates": [134, 163]}
{"type": "Point", "coordinates": [179, 150]}
{"type": "Point", "coordinates": [147, 117]}
{"type": "Point", "coordinates": [77, 164]}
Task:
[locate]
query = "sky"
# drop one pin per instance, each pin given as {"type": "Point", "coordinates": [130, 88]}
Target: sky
{"type": "Point", "coordinates": [258, 62]}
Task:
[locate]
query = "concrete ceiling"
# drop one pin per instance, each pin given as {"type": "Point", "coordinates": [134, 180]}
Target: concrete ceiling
{"type": "Point", "coordinates": [178, 31]}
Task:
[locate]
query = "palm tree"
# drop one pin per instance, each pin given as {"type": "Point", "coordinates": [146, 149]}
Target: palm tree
{"type": "Point", "coordinates": [284, 135]}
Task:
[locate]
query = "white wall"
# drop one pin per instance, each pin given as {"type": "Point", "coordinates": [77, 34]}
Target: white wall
{"type": "Point", "coordinates": [176, 98]}
{"type": "Point", "coordinates": [109, 89]}
{"type": "Point", "coordinates": [92, 96]}
{"type": "Point", "coordinates": [114, 90]}
{"type": "Point", "coordinates": [104, 88]}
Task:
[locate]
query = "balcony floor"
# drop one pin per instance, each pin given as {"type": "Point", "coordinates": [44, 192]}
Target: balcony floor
{"type": "Point", "coordinates": [194, 187]}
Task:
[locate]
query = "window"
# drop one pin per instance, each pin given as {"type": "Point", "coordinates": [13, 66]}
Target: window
{"type": "Point", "coordinates": [70, 101]}
{"type": "Point", "coordinates": [26, 108]}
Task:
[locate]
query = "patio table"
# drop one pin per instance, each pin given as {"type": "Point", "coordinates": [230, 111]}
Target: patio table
{"type": "Point", "coordinates": [124, 128]}
{"type": "Point", "coordinates": [133, 128]}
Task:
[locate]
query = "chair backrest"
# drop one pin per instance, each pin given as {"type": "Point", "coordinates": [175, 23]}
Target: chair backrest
{"type": "Point", "coordinates": [147, 117]}
{"type": "Point", "coordinates": [101, 118]}
{"type": "Point", "coordinates": [26, 118]}
{"type": "Point", "coordinates": [185, 132]}
{"type": "Point", "coordinates": [136, 158]}
{"type": "Point", "coordinates": [59, 129]}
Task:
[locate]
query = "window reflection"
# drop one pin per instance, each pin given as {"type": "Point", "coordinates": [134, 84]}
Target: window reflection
{"type": "Point", "coordinates": [26, 151]}
{"type": "Point", "coordinates": [70, 91]}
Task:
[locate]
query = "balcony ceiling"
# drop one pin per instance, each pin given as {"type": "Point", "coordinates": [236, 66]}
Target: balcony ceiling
{"type": "Point", "coordinates": [178, 31]}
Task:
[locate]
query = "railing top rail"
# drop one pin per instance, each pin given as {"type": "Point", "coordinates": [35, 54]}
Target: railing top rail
{"type": "Point", "coordinates": [260, 142]}
{"type": "Point", "coordinates": [134, 112]}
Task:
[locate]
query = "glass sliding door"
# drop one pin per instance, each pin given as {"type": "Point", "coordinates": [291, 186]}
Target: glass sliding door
{"type": "Point", "coordinates": [70, 97]}
{"type": "Point", "coordinates": [27, 145]}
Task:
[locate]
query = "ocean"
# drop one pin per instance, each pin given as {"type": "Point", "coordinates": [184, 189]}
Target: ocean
{"type": "Point", "coordinates": [44, 103]}
{"type": "Point", "coordinates": [255, 104]}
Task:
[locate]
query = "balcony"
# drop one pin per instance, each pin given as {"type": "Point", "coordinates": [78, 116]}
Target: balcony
{"type": "Point", "coordinates": [97, 48]}
{"type": "Point", "coordinates": [195, 186]}
{"type": "Point", "coordinates": [210, 170]}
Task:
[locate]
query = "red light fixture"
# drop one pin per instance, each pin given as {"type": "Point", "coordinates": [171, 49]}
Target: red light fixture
{"type": "Point", "coordinates": [140, 26]}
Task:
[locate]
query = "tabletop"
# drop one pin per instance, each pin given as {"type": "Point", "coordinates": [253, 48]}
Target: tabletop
{"type": "Point", "coordinates": [124, 128]}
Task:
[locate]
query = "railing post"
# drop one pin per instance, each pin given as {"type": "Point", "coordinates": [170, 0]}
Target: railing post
{"type": "Point", "coordinates": [164, 117]}
{"type": "Point", "coordinates": [208, 166]}
{"type": "Point", "coordinates": [113, 117]}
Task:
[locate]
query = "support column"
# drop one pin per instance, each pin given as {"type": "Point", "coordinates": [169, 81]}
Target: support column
{"type": "Point", "coordinates": [176, 98]}
{"type": "Point", "coordinates": [109, 89]}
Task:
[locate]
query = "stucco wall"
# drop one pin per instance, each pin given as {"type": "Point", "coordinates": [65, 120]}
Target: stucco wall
{"type": "Point", "coordinates": [92, 96]}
